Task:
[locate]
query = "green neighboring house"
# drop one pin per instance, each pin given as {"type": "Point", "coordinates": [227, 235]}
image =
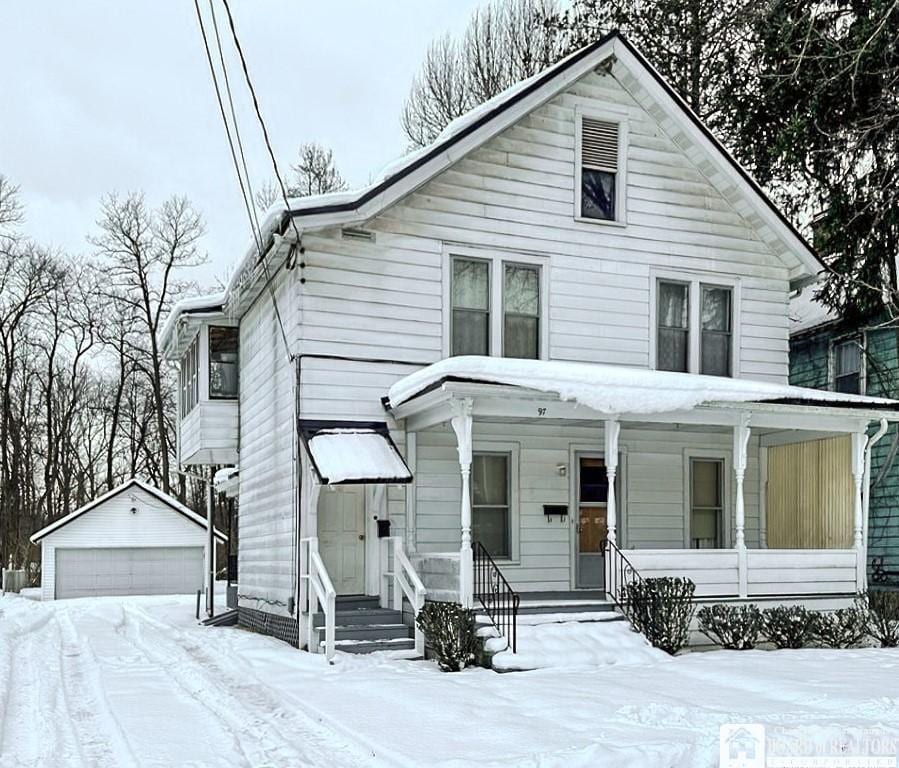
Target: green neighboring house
{"type": "Point", "coordinates": [828, 353]}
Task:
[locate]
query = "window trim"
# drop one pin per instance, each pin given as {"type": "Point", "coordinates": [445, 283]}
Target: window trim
{"type": "Point", "coordinates": [610, 115]}
{"type": "Point", "coordinates": [862, 338]}
{"type": "Point", "coordinates": [696, 281]}
{"type": "Point", "coordinates": [513, 451]}
{"type": "Point", "coordinates": [189, 385]}
{"type": "Point", "coordinates": [726, 457]}
{"type": "Point", "coordinates": [497, 259]}
{"type": "Point", "coordinates": [236, 395]}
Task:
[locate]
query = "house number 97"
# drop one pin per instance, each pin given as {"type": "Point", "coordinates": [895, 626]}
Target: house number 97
{"type": "Point", "coordinates": [541, 411]}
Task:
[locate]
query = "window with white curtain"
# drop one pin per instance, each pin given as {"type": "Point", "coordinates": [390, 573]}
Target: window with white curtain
{"type": "Point", "coordinates": [496, 307]}
{"type": "Point", "coordinates": [847, 366]}
{"type": "Point", "coordinates": [694, 326]}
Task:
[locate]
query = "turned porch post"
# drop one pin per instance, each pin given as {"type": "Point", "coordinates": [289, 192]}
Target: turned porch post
{"type": "Point", "coordinates": [612, 431]}
{"type": "Point", "coordinates": [859, 444]}
{"type": "Point", "coordinates": [461, 422]}
{"type": "Point", "coordinates": [741, 448]}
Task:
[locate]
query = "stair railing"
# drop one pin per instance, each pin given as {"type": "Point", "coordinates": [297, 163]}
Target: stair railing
{"type": "Point", "coordinates": [406, 582]}
{"type": "Point", "coordinates": [496, 595]}
{"type": "Point", "coordinates": [619, 572]}
{"type": "Point", "coordinates": [319, 592]}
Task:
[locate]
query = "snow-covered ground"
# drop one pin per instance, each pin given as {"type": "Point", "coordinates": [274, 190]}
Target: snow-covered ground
{"type": "Point", "coordinates": [135, 682]}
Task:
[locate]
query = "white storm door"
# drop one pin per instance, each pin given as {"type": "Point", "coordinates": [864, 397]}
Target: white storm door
{"type": "Point", "coordinates": [341, 536]}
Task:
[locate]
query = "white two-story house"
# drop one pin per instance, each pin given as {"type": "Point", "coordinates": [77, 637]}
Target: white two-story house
{"type": "Point", "coordinates": [541, 355]}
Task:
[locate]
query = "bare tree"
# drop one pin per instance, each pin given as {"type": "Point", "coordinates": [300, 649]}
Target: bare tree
{"type": "Point", "coordinates": [505, 42]}
{"type": "Point", "coordinates": [145, 250]}
{"type": "Point", "coordinates": [315, 172]}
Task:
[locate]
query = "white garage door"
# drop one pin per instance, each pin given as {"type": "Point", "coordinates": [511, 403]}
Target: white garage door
{"type": "Point", "coordinates": [128, 571]}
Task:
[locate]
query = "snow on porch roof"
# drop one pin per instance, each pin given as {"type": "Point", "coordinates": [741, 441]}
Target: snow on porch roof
{"type": "Point", "coordinates": [615, 389]}
{"type": "Point", "coordinates": [346, 452]}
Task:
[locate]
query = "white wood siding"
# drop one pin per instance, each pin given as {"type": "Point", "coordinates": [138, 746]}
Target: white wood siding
{"type": "Point", "coordinates": [267, 557]}
{"type": "Point", "coordinates": [112, 524]}
{"type": "Point", "coordinates": [209, 433]}
{"type": "Point", "coordinates": [651, 515]}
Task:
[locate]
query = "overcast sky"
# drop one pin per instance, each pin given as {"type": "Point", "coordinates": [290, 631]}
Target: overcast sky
{"type": "Point", "coordinates": [104, 95]}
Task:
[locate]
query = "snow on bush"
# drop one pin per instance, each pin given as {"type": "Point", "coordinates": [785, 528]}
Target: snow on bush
{"type": "Point", "coordinates": [883, 616]}
{"type": "Point", "coordinates": [450, 632]}
{"type": "Point", "coordinates": [789, 626]}
{"type": "Point", "coordinates": [661, 609]}
{"type": "Point", "coordinates": [736, 627]}
{"type": "Point", "coordinates": [843, 628]}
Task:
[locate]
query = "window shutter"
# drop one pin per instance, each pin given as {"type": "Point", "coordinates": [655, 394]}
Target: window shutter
{"type": "Point", "coordinates": [599, 144]}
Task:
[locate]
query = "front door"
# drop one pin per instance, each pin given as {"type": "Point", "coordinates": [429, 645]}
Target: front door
{"type": "Point", "coordinates": [592, 497]}
{"type": "Point", "coordinates": [341, 536]}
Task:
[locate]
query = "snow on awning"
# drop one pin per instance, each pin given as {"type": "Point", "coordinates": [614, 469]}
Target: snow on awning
{"type": "Point", "coordinates": [617, 389]}
{"type": "Point", "coordinates": [348, 452]}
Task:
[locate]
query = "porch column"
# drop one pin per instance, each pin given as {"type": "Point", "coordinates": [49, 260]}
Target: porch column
{"type": "Point", "coordinates": [741, 449]}
{"type": "Point", "coordinates": [612, 431]}
{"type": "Point", "coordinates": [461, 422]}
{"type": "Point", "coordinates": [859, 444]}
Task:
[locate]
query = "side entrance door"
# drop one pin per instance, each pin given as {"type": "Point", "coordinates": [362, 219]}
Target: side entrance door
{"type": "Point", "coordinates": [592, 497]}
{"type": "Point", "coordinates": [341, 536]}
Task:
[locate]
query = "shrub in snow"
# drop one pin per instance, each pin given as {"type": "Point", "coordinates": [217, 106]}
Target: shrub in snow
{"type": "Point", "coordinates": [843, 628]}
{"type": "Point", "coordinates": [789, 626]}
{"type": "Point", "coordinates": [450, 632]}
{"type": "Point", "coordinates": [662, 610]}
{"type": "Point", "coordinates": [883, 616]}
{"type": "Point", "coordinates": [736, 627]}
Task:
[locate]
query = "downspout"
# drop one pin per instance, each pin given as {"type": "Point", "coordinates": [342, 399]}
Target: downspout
{"type": "Point", "coordinates": [866, 499]}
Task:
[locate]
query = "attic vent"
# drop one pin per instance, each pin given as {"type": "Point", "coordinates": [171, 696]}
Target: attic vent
{"type": "Point", "coordinates": [599, 144]}
{"type": "Point", "coordinates": [358, 234]}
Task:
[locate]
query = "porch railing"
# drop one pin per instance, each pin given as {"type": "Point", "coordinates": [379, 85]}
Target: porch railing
{"type": "Point", "coordinates": [619, 573]}
{"type": "Point", "coordinates": [496, 595]}
{"type": "Point", "coordinates": [319, 592]}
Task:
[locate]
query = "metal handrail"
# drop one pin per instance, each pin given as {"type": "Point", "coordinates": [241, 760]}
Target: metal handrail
{"type": "Point", "coordinates": [496, 595]}
{"type": "Point", "coordinates": [320, 592]}
{"type": "Point", "coordinates": [406, 582]}
{"type": "Point", "coordinates": [619, 573]}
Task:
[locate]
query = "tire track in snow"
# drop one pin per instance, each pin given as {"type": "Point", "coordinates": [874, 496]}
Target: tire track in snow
{"type": "Point", "coordinates": [258, 717]}
{"type": "Point", "coordinates": [100, 737]}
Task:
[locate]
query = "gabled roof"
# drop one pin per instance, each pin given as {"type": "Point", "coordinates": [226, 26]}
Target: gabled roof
{"type": "Point", "coordinates": [491, 118]}
{"type": "Point", "coordinates": [193, 308]}
{"type": "Point", "coordinates": [176, 505]}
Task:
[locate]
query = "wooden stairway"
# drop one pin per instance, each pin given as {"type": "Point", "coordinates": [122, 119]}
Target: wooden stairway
{"type": "Point", "coordinates": [362, 626]}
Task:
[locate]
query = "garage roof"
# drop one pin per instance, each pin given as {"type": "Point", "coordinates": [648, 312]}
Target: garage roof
{"type": "Point", "coordinates": [173, 503]}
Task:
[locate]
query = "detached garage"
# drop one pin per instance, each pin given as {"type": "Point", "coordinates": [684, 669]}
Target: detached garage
{"type": "Point", "coordinates": [134, 540]}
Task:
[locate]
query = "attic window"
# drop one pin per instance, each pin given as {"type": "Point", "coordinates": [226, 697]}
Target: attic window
{"type": "Point", "coordinates": [599, 169]}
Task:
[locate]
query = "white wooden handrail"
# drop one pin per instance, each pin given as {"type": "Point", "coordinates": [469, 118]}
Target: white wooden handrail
{"type": "Point", "coordinates": [407, 582]}
{"type": "Point", "coordinates": [320, 591]}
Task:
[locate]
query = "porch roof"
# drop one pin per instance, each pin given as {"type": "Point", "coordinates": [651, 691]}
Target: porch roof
{"type": "Point", "coordinates": [353, 452]}
{"type": "Point", "coordinates": [615, 390]}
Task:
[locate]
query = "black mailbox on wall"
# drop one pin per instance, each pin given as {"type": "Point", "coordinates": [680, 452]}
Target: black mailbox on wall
{"type": "Point", "coordinates": [552, 510]}
{"type": "Point", "coordinates": [383, 529]}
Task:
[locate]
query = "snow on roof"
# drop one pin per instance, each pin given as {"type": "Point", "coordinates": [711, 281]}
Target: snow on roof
{"type": "Point", "coordinates": [209, 302]}
{"type": "Point", "coordinates": [807, 313]}
{"type": "Point", "coordinates": [614, 389]}
{"type": "Point", "coordinates": [151, 489]}
{"type": "Point", "coordinates": [356, 455]}
{"type": "Point", "coordinates": [224, 479]}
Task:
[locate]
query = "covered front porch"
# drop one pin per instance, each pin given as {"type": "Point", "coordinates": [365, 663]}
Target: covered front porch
{"type": "Point", "coordinates": [753, 491]}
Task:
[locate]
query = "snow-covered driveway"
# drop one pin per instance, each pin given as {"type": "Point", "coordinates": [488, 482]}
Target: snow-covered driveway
{"type": "Point", "coordinates": [134, 682]}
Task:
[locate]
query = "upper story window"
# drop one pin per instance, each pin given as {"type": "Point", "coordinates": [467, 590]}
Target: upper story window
{"type": "Point", "coordinates": [190, 377]}
{"type": "Point", "coordinates": [223, 368]}
{"type": "Point", "coordinates": [600, 194]}
{"type": "Point", "coordinates": [694, 327]}
{"type": "Point", "coordinates": [489, 313]}
{"type": "Point", "coordinates": [848, 373]}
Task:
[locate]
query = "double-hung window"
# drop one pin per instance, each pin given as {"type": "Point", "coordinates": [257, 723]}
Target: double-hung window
{"type": "Point", "coordinates": [190, 377]}
{"type": "Point", "coordinates": [847, 366]}
{"type": "Point", "coordinates": [694, 327]}
{"type": "Point", "coordinates": [706, 503]}
{"type": "Point", "coordinates": [514, 328]}
{"type": "Point", "coordinates": [490, 502]}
